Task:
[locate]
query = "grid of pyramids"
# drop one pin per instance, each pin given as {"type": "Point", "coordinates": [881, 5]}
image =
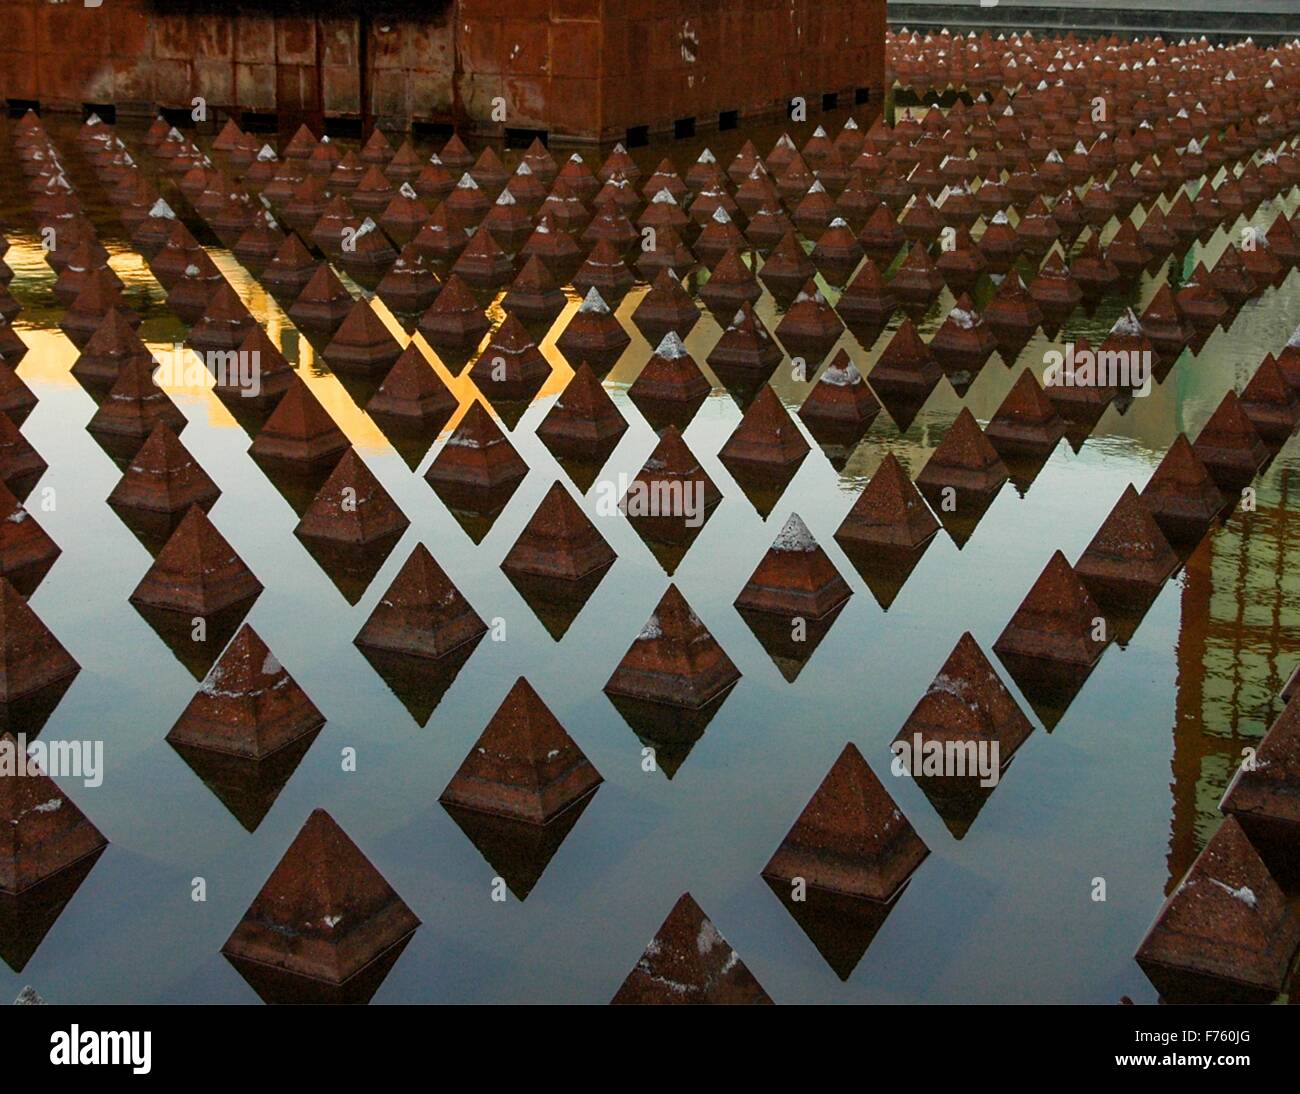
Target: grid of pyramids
{"type": "Point", "coordinates": [482, 357]}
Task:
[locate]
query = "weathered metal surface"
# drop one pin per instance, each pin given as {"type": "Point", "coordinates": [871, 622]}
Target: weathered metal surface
{"type": "Point", "coordinates": [582, 69]}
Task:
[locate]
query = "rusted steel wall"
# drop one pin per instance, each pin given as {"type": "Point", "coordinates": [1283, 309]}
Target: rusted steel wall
{"type": "Point", "coordinates": [696, 59]}
{"type": "Point", "coordinates": [600, 67]}
{"type": "Point", "coordinates": [587, 69]}
{"type": "Point", "coordinates": [130, 54]}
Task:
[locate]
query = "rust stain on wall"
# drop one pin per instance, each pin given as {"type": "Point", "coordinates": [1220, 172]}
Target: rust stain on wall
{"type": "Point", "coordinates": [579, 69]}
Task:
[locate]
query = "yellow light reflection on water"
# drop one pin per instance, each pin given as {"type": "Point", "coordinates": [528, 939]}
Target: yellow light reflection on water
{"type": "Point", "coordinates": [184, 376]}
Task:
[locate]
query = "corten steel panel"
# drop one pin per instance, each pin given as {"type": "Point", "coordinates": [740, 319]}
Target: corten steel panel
{"type": "Point", "coordinates": [386, 45]}
{"type": "Point", "coordinates": [341, 85]}
{"type": "Point", "coordinates": [575, 49]}
{"type": "Point", "coordinates": [255, 38]}
{"type": "Point", "coordinates": [295, 40]}
{"type": "Point", "coordinates": [255, 86]}
{"type": "Point", "coordinates": [478, 92]}
{"type": "Point", "coordinates": [20, 26]}
{"type": "Point", "coordinates": [655, 63]}
{"type": "Point", "coordinates": [173, 83]}
{"type": "Point", "coordinates": [429, 47]}
{"type": "Point", "coordinates": [584, 69]}
{"type": "Point", "coordinates": [388, 93]}
{"type": "Point", "coordinates": [133, 86]}
{"type": "Point", "coordinates": [696, 60]}
{"type": "Point", "coordinates": [214, 80]}
{"type": "Point", "coordinates": [526, 47]}
{"type": "Point", "coordinates": [479, 44]}
{"type": "Point", "coordinates": [296, 89]}
{"type": "Point", "coordinates": [339, 41]}
{"type": "Point", "coordinates": [18, 74]}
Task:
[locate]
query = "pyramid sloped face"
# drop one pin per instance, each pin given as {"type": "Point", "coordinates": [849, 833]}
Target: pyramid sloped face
{"type": "Point", "coordinates": [163, 477]}
{"type": "Point", "coordinates": [324, 913]}
{"type": "Point", "coordinates": [766, 439]}
{"type": "Point", "coordinates": [1230, 446]}
{"type": "Point", "coordinates": [593, 334]}
{"type": "Point", "coordinates": [135, 403]}
{"type": "Point", "coordinates": [422, 614]}
{"type": "Point", "coordinates": [810, 324]}
{"type": "Point", "coordinates": [890, 512]}
{"type": "Point", "coordinates": [559, 541]}
{"type": "Point", "coordinates": [292, 256]}
{"type": "Point", "coordinates": [584, 422]}
{"type": "Point", "coordinates": [524, 765]}
{"type": "Point", "coordinates": [412, 389]}
{"type": "Point", "coordinates": [1182, 495]}
{"type": "Point", "coordinates": [688, 961]}
{"type": "Point", "coordinates": [24, 544]}
{"type": "Point", "coordinates": [511, 367]}
{"type": "Point", "coordinates": [850, 838]}
{"type": "Point", "coordinates": [965, 459]}
{"type": "Point", "coordinates": [362, 341]}
{"type": "Point", "coordinates": [674, 660]}
{"type": "Point", "coordinates": [1268, 790]}
{"type": "Point", "coordinates": [323, 303]}
{"type": "Point", "coordinates": [1026, 421]}
{"type": "Point", "coordinates": [666, 307]}
{"type": "Point", "coordinates": [19, 461]}
{"type": "Point", "coordinates": [670, 500]}
{"type": "Point", "coordinates": [795, 578]}
{"type": "Point", "coordinates": [1057, 620]}
{"type": "Point", "coordinates": [248, 705]}
{"type": "Point", "coordinates": [672, 461]}
{"type": "Point", "coordinates": [197, 571]}
{"type": "Point", "coordinates": [477, 455]}
{"type": "Point", "coordinates": [225, 322]}
{"type": "Point", "coordinates": [352, 507]}
{"type": "Point", "coordinates": [113, 344]}
{"type": "Point", "coordinates": [841, 405]}
{"type": "Point", "coordinates": [1269, 403]}
{"type": "Point", "coordinates": [299, 430]}
{"type": "Point", "coordinates": [670, 376]}
{"type": "Point", "coordinates": [908, 366]}
{"type": "Point", "coordinates": [967, 701]}
{"type": "Point", "coordinates": [1227, 921]}
{"type": "Point", "coordinates": [33, 658]}
{"type": "Point", "coordinates": [1129, 547]}
{"type": "Point", "coordinates": [41, 829]}
{"type": "Point", "coordinates": [746, 346]}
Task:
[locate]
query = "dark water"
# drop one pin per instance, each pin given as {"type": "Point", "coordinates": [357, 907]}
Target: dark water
{"type": "Point", "coordinates": [1125, 787]}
